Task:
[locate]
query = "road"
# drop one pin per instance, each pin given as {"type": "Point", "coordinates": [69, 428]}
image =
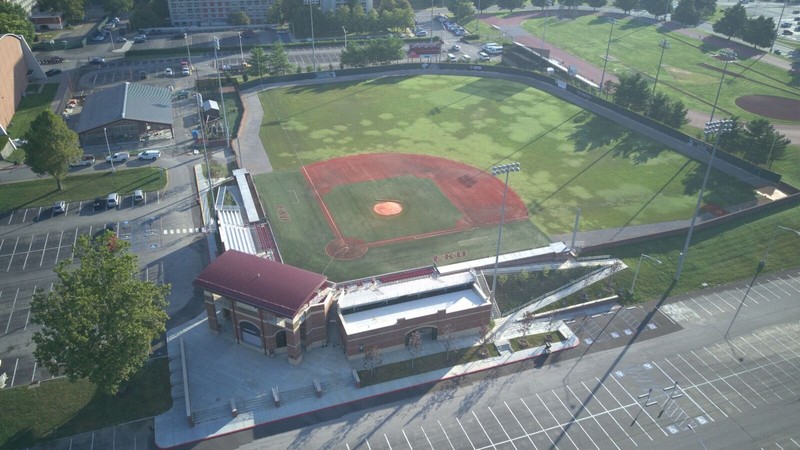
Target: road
{"type": "Point", "coordinates": [739, 392]}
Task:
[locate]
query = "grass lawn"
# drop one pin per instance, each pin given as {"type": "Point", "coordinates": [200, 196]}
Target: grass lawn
{"type": "Point", "coordinates": [43, 192]}
{"type": "Point", "coordinates": [534, 340]}
{"type": "Point", "coordinates": [634, 48]}
{"type": "Point", "coordinates": [60, 408]}
{"type": "Point", "coordinates": [424, 364]}
{"type": "Point", "coordinates": [31, 106]}
{"type": "Point", "coordinates": [517, 289]}
{"type": "Point", "coordinates": [570, 158]}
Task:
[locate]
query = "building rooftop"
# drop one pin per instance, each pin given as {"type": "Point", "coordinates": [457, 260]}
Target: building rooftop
{"type": "Point", "coordinates": [278, 288]}
{"type": "Point", "coordinates": [131, 101]}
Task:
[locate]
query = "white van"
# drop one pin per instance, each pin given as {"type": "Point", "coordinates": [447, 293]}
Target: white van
{"type": "Point", "coordinates": [113, 200]}
{"type": "Point", "coordinates": [451, 57]}
{"type": "Point", "coordinates": [489, 44]}
{"type": "Point", "coordinates": [465, 59]}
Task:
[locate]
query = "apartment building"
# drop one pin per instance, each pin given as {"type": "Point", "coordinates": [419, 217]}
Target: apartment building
{"type": "Point", "coordinates": [204, 13]}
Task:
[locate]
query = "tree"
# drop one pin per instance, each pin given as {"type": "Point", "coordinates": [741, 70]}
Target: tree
{"type": "Point", "coordinates": [100, 318]}
{"type": "Point", "coordinates": [510, 5]}
{"type": "Point", "coordinates": [541, 4]}
{"type": "Point", "coordinates": [51, 146]}
{"type": "Point", "coordinates": [706, 8]}
{"type": "Point", "coordinates": [373, 359]}
{"type": "Point", "coordinates": [632, 92]}
{"type": "Point", "coordinates": [448, 339]}
{"type": "Point", "coordinates": [279, 61]}
{"type": "Point", "coordinates": [275, 13]}
{"type": "Point", "coordinates": [73, 9]}
{"type": "Point", "coordinates": [484, 333]}
{"type": "Point", "coordinates": [626, 5]}
{"type": "Point", "coordinates": [414, 346]}
{"type": "Point", "coordinates": [686, 13]}
{"type": "Point", "coordinates": [239, 18]}
{"type": "Point", "coordinates": [656, 7]}
{"type": "Point", "coordinates": [596, 3]}
{"type": "Point", "coordinates": [760, 31]}
{"type": "Point", "coordinates": [259, 64]}
{"type": "Point", "coordinates": [733, 22]}
{"type": "Point", "coordinates": [116, 6]}
{"type": "Point", "coordinates": [14, 20]}
{"type": "Point", "coordinates": [677, 114]}
{"type": "Point", "coordinates": [460, 9]}
{"type": "Point", "coordinates": [570, 3]}
{"type": "Point", "coordinates": [762, 143]}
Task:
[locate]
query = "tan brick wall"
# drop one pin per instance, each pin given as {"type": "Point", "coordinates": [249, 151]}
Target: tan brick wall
{"type": "Point", "coordinates": [13, 80]}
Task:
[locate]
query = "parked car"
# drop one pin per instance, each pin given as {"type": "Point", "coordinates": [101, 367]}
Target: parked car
{"type": "Point", "coordinates": [168, 72]}
{"type": "Point", "coordinates": [86, 160]}
{"type": "Point", "coordinates": [100, 203]}
{"type": "Point", "coordinates": [185, 71]}
{"type": "Point", "coordinates": [455, 48]}
{"type": "Point", "coordinates": [138, 196]}
{"type": "Point", "coordinates": [97, 60]}
{"type": "Point", "coordinates": [52, 72]}
{"type": "Point", "coordinates": [139, 39]}
{"type": "Point", "coordinates": [483, 56]}
{"type": "Point", "coordinates": [787, 32]}
{"type": "Point", "coordinates": [122, 39]}
{"type": "Point", "coordinates": [59, 207]}
{"type": "Point", "coordinates": [179, 36]}
{"type": "Point", "coordinates": [421, 33]}
{"type": "Point", "coordinates": [150, 154]}
{"type": "Point", "coordinates": [113, 200]}
{"type": "Point", "coordinates": [118, 157]}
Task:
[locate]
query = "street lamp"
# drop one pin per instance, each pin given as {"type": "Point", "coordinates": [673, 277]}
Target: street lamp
{"type": "Point", "coordinates": [221, 95]}
{"type": "Point", "coordinates": [664, 44]}
{"type": "Point", "coordinates": [108, 147]}
{"type": "Point", "coordinates": [719, 127]}
{"type": "Point", "coordinates": [697, 435]}
{"type": "Point", "coordinates": [431, 22]}
{"type": "Point", "coordinates": [498, 170]}
{"type": "Point", "coordinates": [345, 36]}
{"type": "Point", "coordinates": [548, 4]}
{"type": "Point", "coordinates": [780, 19]}
{"type": "Point", "coordinates": [188, 53]}
{"type": "Point", "coordinates": [311, 4]}
{"type": "Point", "coordinates": [636, 274]}
{"type": "Point", "coordinates": [241, 51]}
{"type": "Point", "coordinates": [608, 47]}
{"type": "Point", "coordinates": [729, 56]}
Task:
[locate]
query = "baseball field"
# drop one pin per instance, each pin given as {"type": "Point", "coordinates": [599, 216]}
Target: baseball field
{"type": "Point", "coordinates": [394, 173]}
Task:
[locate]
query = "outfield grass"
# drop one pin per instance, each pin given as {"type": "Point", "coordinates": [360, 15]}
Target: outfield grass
{"type": "Point", "coordinates": [570, 159]}
{"type": "Point", "coordinates": [634, 48]}
{"type": "Point", "coordinates": [60, 408]}
{"type": "Point", "coordinates": [44, 192]}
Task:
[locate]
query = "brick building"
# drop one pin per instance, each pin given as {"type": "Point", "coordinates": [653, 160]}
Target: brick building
{"type": "Point", "coordinates": [19, 68]}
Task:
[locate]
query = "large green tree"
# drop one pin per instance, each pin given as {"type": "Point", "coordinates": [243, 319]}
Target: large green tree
{"type": "Point", "coordinates": [656, 7]}
{"type": "Point", "coordinates": [73, 10]}
{"type": "Point", "coordinates": [279, 60]}
{"type": "Point", "coordinates": [100, 318]}
{"type": "Point", "coordinates": [510, 5]}
{"type": "Point", "coordinates": [51, 146]}
{"type": "Point", "coordinates": [686, 13]}
{"type": "Point", "coordinates": [762, 143]}
{"type": "Point", "coordinates": [733, 22]}
{"type": "Point", "coordinates": [760, 31]}
{"type": "Point", "coordinates": [14, 20]}
{"type": "Point", "coordinates": [632, 92]}
{"type": "Point", "coordinates": [239, 18]}
{"type": "Point", "coordinates": [596, 3]}
{"type": "Point", "coordinates": [259, 64]}
{"type": "Point", "coordinates": [626, 5]}
{"type": "Point", "coordinates": [115, 7]}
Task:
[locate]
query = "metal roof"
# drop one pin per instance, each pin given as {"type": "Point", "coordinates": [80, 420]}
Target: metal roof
{"type": "Point", "coordinates": [128, 101]}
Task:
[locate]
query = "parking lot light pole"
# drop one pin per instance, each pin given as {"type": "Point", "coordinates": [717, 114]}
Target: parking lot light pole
{"type": "Point", "coordinates": [729, 56]}
{"type": "Point", "coordinates": [638, 265]}
{"type": "Point", "coordinates": [188, 53]}
{"type": "Point", "coordinates": [608, 47]}
{"type": "Point", "coordinates": [719, 127]}
{"type": "Point", "coordinates": [499, 170]}
{"type": "Point", "coordinates": [780, 19]}
{"type": "Point", "coordinates": [241, 51]}
{"type": "Point", "coordinates": [311, 4]}
{"type": "Point", "coordinates": [108, 147]}
{"type": "Point", "coordinates": [345, 36]}
{"type": "Point", "coordinates": [548, 4]}
{"type": "Point", "coordinates": [664, 44]}
{"type": "Point", "coordinates": [221, 95]}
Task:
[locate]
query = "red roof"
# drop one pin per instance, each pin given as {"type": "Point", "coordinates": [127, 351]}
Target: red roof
{"type": "Point", "coordinates": [276, 287]}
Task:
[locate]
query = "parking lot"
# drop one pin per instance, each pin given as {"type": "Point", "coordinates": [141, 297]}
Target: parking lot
{"type": "Point", "coordinates": [643, 405]}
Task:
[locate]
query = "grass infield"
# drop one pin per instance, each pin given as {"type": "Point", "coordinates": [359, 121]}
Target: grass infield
{"type": "Point", "coordinates": [425, 209]}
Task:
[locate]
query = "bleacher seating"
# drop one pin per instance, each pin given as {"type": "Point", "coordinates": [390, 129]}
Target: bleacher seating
{"type": "Point", "coordinates": [406, 275]}
{"type": "Point", "coordinates": [266, 240]}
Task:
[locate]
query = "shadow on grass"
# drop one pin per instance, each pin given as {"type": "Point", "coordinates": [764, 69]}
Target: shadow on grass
{"type": "Point", "coordinates": [721, 189]}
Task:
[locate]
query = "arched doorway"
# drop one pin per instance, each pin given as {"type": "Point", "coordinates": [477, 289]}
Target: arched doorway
{"type": "Point", "coordinates": [251, 334]}
{"type": "Point", "coordinates": [280, 339]}
{"type": "Point", "coordinates": [426, 333]}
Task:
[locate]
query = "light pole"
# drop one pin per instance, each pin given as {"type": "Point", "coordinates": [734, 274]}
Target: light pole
{"type": "Point", "coordinates": [664, 44]}
{"type": "Point", "coordinates": [221, 95]}
{"type": "Point", "coordinates": [345, 36]}
{"type": "Point", "coordinates": [498, 170]}
{"type": "Point", "coordinates": [729, 56]}
{"type": "Point", "coordinates": [638, 265]}
{"type": "Point", "coordinates": [478, 19]}
{"type": "Point", "coordinates": [717, 128]}
{"type": "Point", "coordinates": [608, 47]}
{"type": "Point", "coordinates": [108, 147]}
{"type": "Point", "coordinates": [188, 53]}
{"type": "Point", "coordinates": [431, 21]}
{"type": "Point", "coordinates": [779, 25]}
{"type": "Point", "coordinates": [697, 435]}
{"type": "Point", "coordinates": [548, 4]}
{"type": "Point", "coordinates": [241, 51]}
{"type": "Point", "coordinates": [311, 4]}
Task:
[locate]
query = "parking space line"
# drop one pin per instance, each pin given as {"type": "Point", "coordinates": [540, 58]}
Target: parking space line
{"type": "Point", "coordinates": [593, 415]}
{"type": "Point", "coordinates": [14, 374]}
{"type": "Point", "coordinates": [624, 408]}
{"type": "Point", "coordinates": [774, 364]}
{"type": "Point", "coordinates": [741, 294]}
{"type": "Point", "coordinates": [701, 306]}
{"type": "Point", "coordinates": [445, 435]}
{"type": "Point", "coordinates": [539, 424]}
{"type": "Point", "coordinates": [723, 379]}
{"type": "Point", "coordinates": [726, 301]}
{"type": "Point", "coordinates": [783, 344]}
{"type": "Point", "coordinates": [467, 435]}
{"type": "Point", "coordinates": [707, 381]}
{"type": "Point", "coordinates": [75, 242]}
{"type": "Point", "coordinates": [635, 402]}
{"type": "Point", "coordinates": [558, 422]}
{"type": "Point", "coordinates": [697, 387]}
{"type": "Point", "coordinates": [12, 254]}
{"type": "Point", "coordinates": [766, 288]}
{"type": "Point", "coordinates": [25, 215]}
{"type": "Point", "coordinates": [744, 370]}
{"type": "Point", "coordinates": [575, 419]}
{"type": "Point", "coordinates": [484, 430]}
{"type": "Point", "coordinates": [387, 441]}
{"type": "Point", "coordinates": [609, 413]}
{"type": "Point", "coordinates": [527, 435]}
{"type": "Point", "coordinates": [426, 437]}
{"type": "Point", "coordinates": [58, 251]}
{"type": "Point", "coordinates": [368, 446]}
{"type": "Point", "coordinates": [790, 284]}
{"type": "Point", "coordinates": [672, 380]}
{"type": "Point", "coordinates": [711, 302]}
{"type": "Point", "coordinates": [11, 314]}
{"type": "Point", "coordinates": [11, 217]}
{"type": "Point", "coordinates": [772, 282]}
{"type": "Point", "coordinates": [27, 320]}
{"type": "Point", "coordinates": [789, 336]}
{"type": "Point", "coordinates": [501, 427]}
{"type": "Point", "coordinates": [44, 249]}
{"type": "Point", "coordinates": [28, 253]}
{"type": "Point", "coordinates": [33, 374]}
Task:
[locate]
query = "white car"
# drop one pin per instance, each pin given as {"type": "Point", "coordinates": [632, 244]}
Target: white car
{"type": "Point", "coordinates": [455, 48]}
{"type": "Point", "coordinates": [168, 72]}
{"type": "Point", "coordinates": [59, 207]}
{"type": "Point", "coordinates": [483, 56]}
{"type": "Point", "coordinates": [150, 154]}
{"type": "Point", "coordinates": [118, 157]}
{"type": "Point", "coordinates": [186, 71]}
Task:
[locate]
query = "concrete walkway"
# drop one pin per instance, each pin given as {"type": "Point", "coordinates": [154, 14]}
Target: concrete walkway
{"type": "Point", "coordinates": [250, 149]}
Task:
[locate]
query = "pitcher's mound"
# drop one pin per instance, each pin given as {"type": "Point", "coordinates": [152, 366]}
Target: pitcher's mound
{"type": "Point", "coordinates": [387, 208]}
{"type": "Point", "coordinates": [346, 249]}
{"type": "Point", "coordinates": [770, 106]}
